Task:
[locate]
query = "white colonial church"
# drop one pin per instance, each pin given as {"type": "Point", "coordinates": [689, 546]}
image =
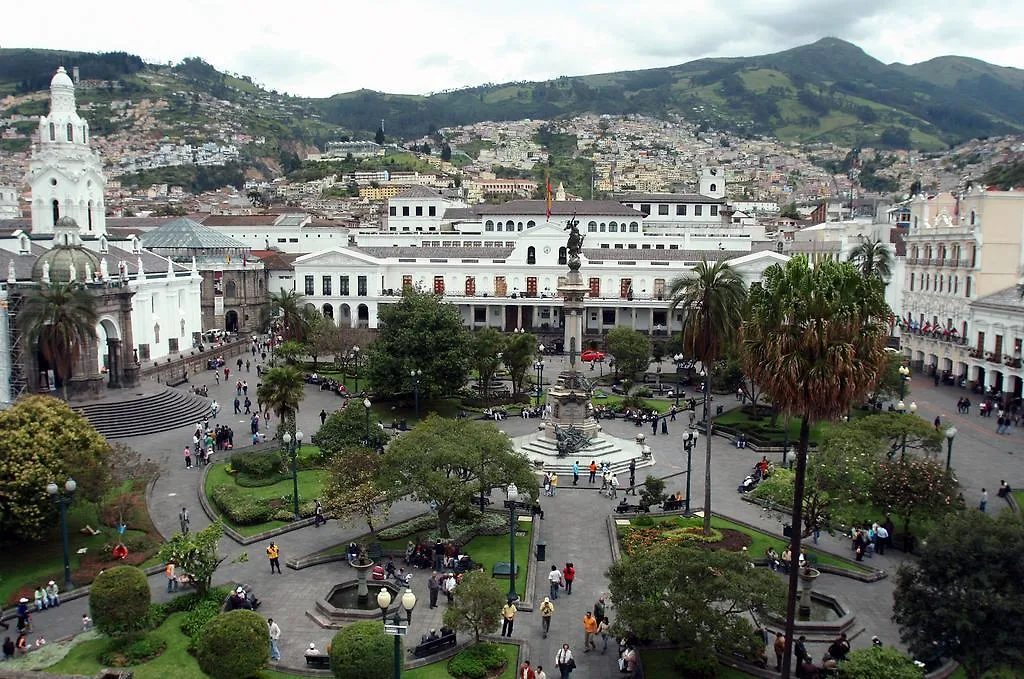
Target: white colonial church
{"type": "Point", "coordinates": [149, 306]}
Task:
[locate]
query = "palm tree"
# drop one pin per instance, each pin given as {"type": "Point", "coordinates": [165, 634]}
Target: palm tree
{"type": "Point", "coordinates": [815, 340]}
{"type": "Point", "coordinates": [873, 258]}
{"type": "Point", "coordinates": [61, 318]}
{"type": "Point", "coordinates": [712, 302]}
{"type": "Point", "coordinates": [281, 390]}
{"type": "Point", "coordinates": [291, 305]}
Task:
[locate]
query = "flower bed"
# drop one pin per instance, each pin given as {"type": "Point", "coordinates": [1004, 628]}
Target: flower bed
{"type": "Point", "coordinates": [637, 539]}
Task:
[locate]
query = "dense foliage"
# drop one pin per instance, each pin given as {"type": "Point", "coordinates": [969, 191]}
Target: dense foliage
{"type": "Point", "coordinates": [234, 645]}
{"type": "Point", "coordinates": [879, 663]}
{"type": "Point", "coordinates": [477, 608]}
{"type": "Point", "coordinates": [195, 554]}
{"type": "Point", "coordinates": [119, 600]}
{"type": "Point", "coordinates": [362, 651]}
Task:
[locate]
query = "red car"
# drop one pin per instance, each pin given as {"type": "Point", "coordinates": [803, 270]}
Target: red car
{"type": "Point", "coordinates": [589, 355]}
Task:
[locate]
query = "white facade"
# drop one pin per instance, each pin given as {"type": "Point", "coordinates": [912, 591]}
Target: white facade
{"type": "Point", "coordinates": [997, 327]}
{"type": "Point", "coordinates": [417, 208]}
{"type": "Point", "coordinates": [65, 174]}
{"type": "Point", "coordinates": [10, 208]}
{"type": "Point", "coordinates": [295, 233]}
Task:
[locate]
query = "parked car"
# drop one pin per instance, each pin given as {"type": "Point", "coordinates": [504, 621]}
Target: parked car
{"type": "Point", "coordinates": [589, 355]}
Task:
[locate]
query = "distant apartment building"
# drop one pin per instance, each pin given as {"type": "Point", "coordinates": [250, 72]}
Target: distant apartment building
{"type": "Point", "coordinates": [380, 193]}
{"type": "Point", "coordinates": [960, 252]}
{"type": "Point", "coordinates": [506, 187]}
{"type": "Point", "coordinates": [337, 150]}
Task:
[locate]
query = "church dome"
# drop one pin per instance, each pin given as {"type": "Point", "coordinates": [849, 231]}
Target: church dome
{"type": "Point", "coordinates": [61, 79]}
{"type": "Point", "coordinates": [67, 252]}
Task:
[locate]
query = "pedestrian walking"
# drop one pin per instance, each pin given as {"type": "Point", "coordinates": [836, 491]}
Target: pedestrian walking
{"type": "Point", "coordinates": [216, 377]}
{"type": "Point", "coordinates": [568, 575]}
{"type": "Point", "coordinates": [800, 650]}
{"type": "Point", "coordinates": [238, 407]}
{"type": "Point", "coordinates": [602, 629]}
{"type": "Point", "coordinates": [589, 630]}
{"type": "Point", "coordinates": [318, 514]}
{"type": "Point", "coordinates": [564, 661]}
{"type": "Point", "coordinates": [664, 425]}
{"type": "Point", "coordinates": [508, 617]}
{"type": "Point", "coordinates": [172, 580]}
{"type": "Point", "coordinates": [555, 581]}
{"type": "Point", "coordinates": [323, 417]}
{"type": "Point", "coordinates": [938, 422]}
{"type": "Point", "coordinates": [575, 472]}
{"type": "Point", "coordinates": [984, 500]}
{"type": "Point", "coordinates": [248, 365]}
{"type": "Point", "coordinates": [547, 609]}
{"type": "Point", "coordinates": [554, 483]}
{"type": "Point", "coordinates": [274, 554]}
{"type": "Point", "coordinates": [248, 406]}
{"type": "Point", "coordinates": [654, 427]}
{"type": "Point", "coordinates": [275, 634]}
{"type": "Point", "coordinates": [188, 457]}
{"type": "Point", "coordinates": [525, 671]}
{"type": "Point", "coordinates": [593, 471]}
{"type": "Point", "coordinates": [780, 650]}
{"type": "Point", "coordinates": [599, 609]}
{"type": "Point", "coordinates": [433, 586]}
{"type": "Point", "coordinates": [540, 674]}
{"type": "Point", "coordinates": [632, 475]}
{"type": "Point", "coordinates": [1004, 492]}
{"type": "Point", "coordinates": [184, 520]}
{"type": "Point", "coordinates": [239, 365]}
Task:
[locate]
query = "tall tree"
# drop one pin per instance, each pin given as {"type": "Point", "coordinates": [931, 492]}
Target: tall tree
{"type": "Point", "coordinates": [351, 491]}
{"type": "Point", "coordinates": [446, 153]}
{"type": "Point", "coordinates": [346, 428]}
{"type": "Point", "coordinates": [61, 319]}
{"type": "Point", "coordinates": [963, 594]}
{"type": "Point", "coordinates": [520, 348]}
{"type": "Point", "coordinates": [477, 609]}
{"type": "Point", "coordinates": [912, 487]}
{"type": "Point", "coordinates": [631, 349]}
{"type": "Point", "coordinates": [282, 390]}
{"type": "Point", "coordinates": [873, 258]}
{"type": "Point", "coordinates": [195, 554]}
{"type": "Point", "coordinates": [290, 305]}
{"type": "Point", "coordinates": [815, 338]}
{"type": "Point", "coordinates": [446, 462]}
{"type": "Point", "coordinates": [712, 302]}
{"type": "Point", "coordinates": [379, 137]}
{"type": "Point", "coordinates": [419, 332]}
{"type": "Point", "coordinates": [486, 347]}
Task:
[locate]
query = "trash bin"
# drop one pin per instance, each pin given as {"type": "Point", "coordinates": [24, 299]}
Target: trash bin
{"type": "Point", "coordinates": [787, 530]}
{"type": "Point", "coordinates": [542, 548]}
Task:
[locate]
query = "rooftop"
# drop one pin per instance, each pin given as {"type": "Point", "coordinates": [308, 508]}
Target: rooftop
{"type": "Point", "coordinates": [1008, 299]}
{"type": "Point", "coordinates": [436, 253]}
{"type": "Point", "coordinates": [667, 198]}
{"type": "Point", "coordinates": [559, 208]}
{"type": "Point", "coordinates": [418, 191]}
{"type": "Point", "coordinates": [186, 234]}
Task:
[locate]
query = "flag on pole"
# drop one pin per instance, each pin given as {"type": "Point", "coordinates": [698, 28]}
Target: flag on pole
{"type": "Point", "coordinates": [547, 185]}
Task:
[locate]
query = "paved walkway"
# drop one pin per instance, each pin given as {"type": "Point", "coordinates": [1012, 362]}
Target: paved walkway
{"type": "Point", "coordinates": [574, 529]}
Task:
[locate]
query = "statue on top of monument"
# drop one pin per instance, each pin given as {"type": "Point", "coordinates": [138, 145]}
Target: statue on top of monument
{"type": "Point", "coordinates": [575, 243]}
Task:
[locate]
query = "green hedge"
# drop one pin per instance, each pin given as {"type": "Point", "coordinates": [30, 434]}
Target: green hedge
{"type": "Point", "coordinates": [242, 509]}
{"type": "Point", "coordinates": [119, 600]}
{"type": "Point", "coordinates": [474, 523]}
{"type": "Point", "coordinates": [202, 612]}
{"type": "Point", "coordinates": [125, 651]}
{"type": "Point", "coordinates": [362, 651]}
{"type": "Point", "coordinates": [257, 465]}
{"type": "Point", "coordinates": [477, 661]}
{"type": "Point", "coordinates": [234, 645]}
{"type": "Point", "coordinates": [408, 528]}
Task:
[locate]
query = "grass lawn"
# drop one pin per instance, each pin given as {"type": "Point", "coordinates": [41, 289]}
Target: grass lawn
{"type": "Point", "coordinates": [1018, 495]}
{"type": "Point", "coordinates": [658, 665]}
{"type": "Point", "coordinates": [761, 541]}
{"type": "Point", "coordinates": [490, 549]}
{"type": "Point", "coordinates": [175, 661]}
{"type": "Point", "coordinates": [614, 401]}
{"type": "Point", "coordinates": [439, 670]}
{"type": "Point", "coordinates": [741, 421]}
{"type": "Point", "coordinates": [40, 562]}
{"type": "Point", "coordinates": [311, 485]}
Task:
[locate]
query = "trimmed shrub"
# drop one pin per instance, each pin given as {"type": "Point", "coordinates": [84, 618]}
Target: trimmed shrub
{"type": "Point", "coordinates": [362, 651]}
{"type": "Point", "coordinates": [234, 645]}
{"type": "Point", "coordinates": [409, 527]}
{"type": "Point", "coordinates": [880, 663]}
{"type": "Point", "coordinates": [477, 661]}
{"type": "Point", "coordinates": [257, 465]}
{"type": "Point", "coordinates": [119, 600]}
{"type": "Point", "coordinates": [241, 508]}
{"type": "Point", "coordinates": [202, 612]}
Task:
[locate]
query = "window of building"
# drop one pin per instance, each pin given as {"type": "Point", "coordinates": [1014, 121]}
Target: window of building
{"type": "Point", "coordinates": [361, 286]}
{"type": "Point", "coordinates": [592, 226]}
{"type": "Point", "coordinates": [681, 210]}
{"type": "Point", "coordinates": [613, 227]}
{"type": "Point", "coordinates": [343, 288]}
{"type": "Point", "coordinates": [561, 255]}
{"type": "Point", "coordinates": [326, 284]}
{"type": "Point", "coordinates": [405, 210]}
{"type": "Point", "coordinates": [488, 225]}
{"type": "Point", "coordinates": [438, 285]}
{"type": "Point", "coordinates": [432, 211]}
{"type": "Point", "coordinates": [663, 209]}
{"type": "Point", "coordinates": [419, 210]}
{"type": "Point", "coordinates": [602, 227]}
{"type": "Point", "coordinates": [634, 227]}
{"type": "Point", "coordinates": [974, 257]}
{"type": "Point", "coordinates": [698, 210]}
{"type": "Point", "coordinates": [973, 217]}
{"type": "Point", "coordinates": [53, 132]}
{"type": "Point", "coordinates": [956, 284]}
{"type": "Point", "coordinates": [530, 224]}
{"type": "Point", "coordinates": [510, 225]}
{"type": "Point", "coordinates": [531, 255]}
{"type": "Point", "coordinates": [713, 187]}
{"type": "Point", "coordinates": [393, 211]}
{"type": "Point", "coordinates": [71, 136]}
{"type": "Point", "coordinates": [645, 208]}
{"type": "Point", "coordinates": [56, 211]}
{"type": "Point", "coordinates": [714, 210]}
{"type": "Point", "coordinates": [309, 286]}
{"type": "Point", "coordinates": [912, 277]}
{"type": "Point", "coordinates": [967, 287]}
{"type": "Point", "coordinates": [618, 246]}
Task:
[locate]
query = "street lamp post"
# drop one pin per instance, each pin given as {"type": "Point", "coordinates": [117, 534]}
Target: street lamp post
{"type": "Point", "coordinates": [679, 358]}
{"type": "Point", "coordinates": [416, 374]}
{"type": "Point", "coordinates": [513, 503]}
{"type": "Point", "coordinates": [63, 500]}
{"type": "Point", "coordinates": [396, 628]}
{"type": "Point", "coordinates": [539, 367]}
{"type": "Point", "coordinates": [355, 360]}
{"type": "Point", "coordinates": [366, 407]}
{"type": "Point", "coordinates": [904, 378]}
{"type": "Point", "coordinates": [902, 408]}
{"type": "Point", "coordinates": [384, 601]}
{"type": "Point", "coordinates": [294, 448]}
{"type": "Point", "coordinates": [690, 437]}
{"type": "Point", "coordinates": [950, 435]}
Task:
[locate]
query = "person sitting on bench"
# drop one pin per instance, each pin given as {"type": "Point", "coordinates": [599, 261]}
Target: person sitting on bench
{"type": "Point", "coordinates": [429, 636]}
{"type": "Point", "coordinates": [313, 651]}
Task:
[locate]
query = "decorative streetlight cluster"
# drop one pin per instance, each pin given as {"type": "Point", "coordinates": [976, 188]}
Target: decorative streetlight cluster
{"type": "Point", "coordinates": [355, 359]}
{"type": "Point", "coordinates": [294, 448]}
{"type": "Point", "coordinates": [396, 628]}
{"type": "Point", "coordinates": [416, 375]}
{"type": "Point", "coordinates": [538, 366]}
{"type": "Point", "coordinates": [678, 359]}
{"type": "Point", "coordinates": [950, 435]}
{"type": "Point", "coordinates": [366, 407]}
{"type": "Point", "coordinates": [63, 500]}
{"type": "Point", "coordinates": [902, 408]}
{"type": "Point", "coordinates": [513, 503]}
{"type": "Point", "coordinates": [904, 379]}
{"type": "Point", "coordinates": [690, 437]}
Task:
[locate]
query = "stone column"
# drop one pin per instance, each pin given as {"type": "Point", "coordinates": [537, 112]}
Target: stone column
{"type": "Point", "coordinates": [113, 363]}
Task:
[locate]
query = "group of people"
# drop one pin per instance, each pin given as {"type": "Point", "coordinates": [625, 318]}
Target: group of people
{"type": "Point", "coordinates": [783, 562]}
{"type": "Point", "coordinates": [805, 668]}
{"type": "Point", "coordinates": [206, 440]}
{"type": "Point", "coordinates": [869, 540]}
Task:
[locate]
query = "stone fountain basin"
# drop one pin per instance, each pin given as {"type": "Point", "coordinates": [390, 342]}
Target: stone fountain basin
{"type": "Point", "coordinates": [843, 621]}
{"type": "Point", "coordinates": [336, 614]}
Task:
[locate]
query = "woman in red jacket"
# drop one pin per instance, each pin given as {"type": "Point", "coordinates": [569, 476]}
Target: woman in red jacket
{"type": "Point", "coordinates": [569, 573]}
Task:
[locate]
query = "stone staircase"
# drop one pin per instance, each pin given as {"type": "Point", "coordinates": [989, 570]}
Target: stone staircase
{"type": "Point", "coordinates": [616, 452]}
{"type": "Point", "coordinates": [137, 413]}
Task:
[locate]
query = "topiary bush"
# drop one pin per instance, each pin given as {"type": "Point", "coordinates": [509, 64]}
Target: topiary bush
{"type": "Point", "coordinates": [477, 661]}
{"type": "Point", "coordinates": [257, 465]}
{"type": "Point", "coordinates": [362, 651]}
{"type": "Point", "coordinates": [234, 645]}
{"type": "Point", "coordinates": [119, 600]}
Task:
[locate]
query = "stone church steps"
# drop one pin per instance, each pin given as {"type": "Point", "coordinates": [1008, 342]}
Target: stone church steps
{"type": "Point", "coordinates": [141, 414]}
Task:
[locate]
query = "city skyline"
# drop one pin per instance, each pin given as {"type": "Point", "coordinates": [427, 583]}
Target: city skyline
{"type": "Point", "coordinates": [433, 46]}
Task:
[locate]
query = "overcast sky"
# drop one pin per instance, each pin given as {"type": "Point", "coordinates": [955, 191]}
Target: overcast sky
{"type": "Point", "coordinates": [318, 48]}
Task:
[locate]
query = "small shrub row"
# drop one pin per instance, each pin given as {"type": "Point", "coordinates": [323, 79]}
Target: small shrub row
{"type": "Point", "coordinates": [126, 651]}
{"type": "Point", "coordinates": [257, 465]}
{"type": "Point", "coordinates": [241, 508]}
{"type": "Point", "coordinates": [480, 523]}
{"type": "Point", "coordinates": [477, 661]}
{"type": "Point", "coordinates": [202, 612]}
{"type": "Point", "coordinates": [409, 527]}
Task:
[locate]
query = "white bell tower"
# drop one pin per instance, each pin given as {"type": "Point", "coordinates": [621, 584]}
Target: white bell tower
{"type": "Point", "coordinates": [65, 174]}
{"type": "Point", "coordinates": [712, 182]}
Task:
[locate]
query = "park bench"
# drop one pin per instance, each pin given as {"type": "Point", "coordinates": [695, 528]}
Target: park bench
{"type": "Point", "coordinates": [177, 381]}
{"type": "Point", "coordinates": [626, 508]}
{"type": "Point", "coordinates": [502, 569]}
{"type": "Point", "coordinates": [321, 661]}
{"type": "Point", "coordinates": [434, 646]}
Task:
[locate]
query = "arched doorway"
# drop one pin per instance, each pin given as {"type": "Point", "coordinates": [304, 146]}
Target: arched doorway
{"type": "Point", "coordinates": [231, 321]}
{"type": "Point", "coordinates": [363, 316]}
{"type": "Point", "coordinates": [345, 316]}
{"type": "Point", "coordinates": [106, 330]}
{"type": "Point", "coordinates": [328, 311]}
